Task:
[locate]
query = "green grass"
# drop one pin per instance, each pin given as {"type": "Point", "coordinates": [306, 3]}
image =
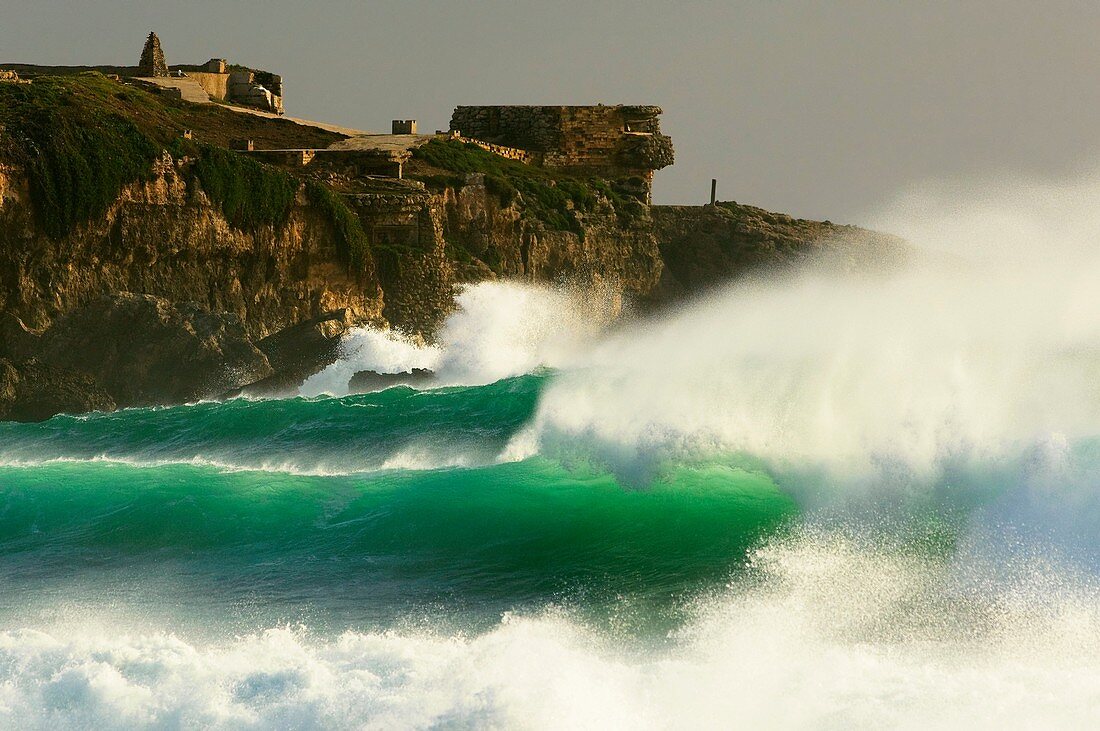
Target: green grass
{"type": "Point", "coordinates": [81, 138]}
{"type": "Point", "coordinates": [78, 149]}
{"type": "Point", "coordinates": [548, 196]}
{"type": "Point", "coordinates": [351, 240]}
{"type": "Point", "coordinates": [250, 195]}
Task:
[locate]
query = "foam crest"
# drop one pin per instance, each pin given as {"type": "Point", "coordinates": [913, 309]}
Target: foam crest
{"type": "Point", "coordinates": [368, 349]}
{"type": "Point", "coordinates": [862, 636]}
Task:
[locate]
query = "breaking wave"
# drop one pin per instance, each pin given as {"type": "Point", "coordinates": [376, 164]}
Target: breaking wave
{"type": "Point", "coordinates": [832, 633]}
{"type": "Point", "coordinates": [824, 499]}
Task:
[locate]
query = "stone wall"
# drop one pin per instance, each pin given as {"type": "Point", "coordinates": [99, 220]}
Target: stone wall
{"type": "Point", "coordinates": [352, 163]}
{"type": "Point", "coordinates": [614, 142]}
{"type": "Point", "coordinates": [572, 136]}
{"type": "Point", "coordinates": [214, 84]}
{"type": "Point", "coordinates": [537, 129]}
{"type": "Point", "coordinates": [511, 153]}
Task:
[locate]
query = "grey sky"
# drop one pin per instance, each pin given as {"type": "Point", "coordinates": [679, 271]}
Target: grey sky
{"type": "Point", "coordinates": [822, 109]}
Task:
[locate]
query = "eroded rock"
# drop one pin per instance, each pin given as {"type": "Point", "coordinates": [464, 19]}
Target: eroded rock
{"type": "Point", "coordinates": [34, 391]}
{"type": "Point", "coordinates": [144, 350]}
{"type": "Point", "coordinates": [370, 381]}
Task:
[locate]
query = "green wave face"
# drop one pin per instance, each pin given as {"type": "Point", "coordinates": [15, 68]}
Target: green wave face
{"type": "Point", "coordinates": [141, 505]}
{"type": "Point", "coordinates": [324, 435]}
{"type": "Point", "coordinates": [393, 560]}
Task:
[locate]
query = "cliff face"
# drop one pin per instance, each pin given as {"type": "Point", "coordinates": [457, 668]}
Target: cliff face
{"type": "Point", "coordinates": [500, 241]}
{"type": "Point", "coordinates": [162, 300]}
{"type": "Point", "coordinates": [163, 238]}
{"type": "Point", "coordinates": [142, 262]}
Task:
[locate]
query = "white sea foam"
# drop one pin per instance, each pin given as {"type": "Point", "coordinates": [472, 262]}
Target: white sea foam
{"type": "Point", "coordinates": [499, 329]}
{"type": "Point", "coordinates": [413, 457]}
{"type": "Point", "coordinates": [976, 355]}
{"type": "Point", "coordinates": [369, 349]}
{"type": "Point", "coordinates": [832, 634]}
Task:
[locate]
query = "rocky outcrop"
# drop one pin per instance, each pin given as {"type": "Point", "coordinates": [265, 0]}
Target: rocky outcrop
{"type": "Point", "coordinates": [702, 246]}
{"type": "Point", "coordinates": [161, 300]}
{"type": "Point", "coordinates": [128, 349]}
{"type": "Point", "coordinates": [497, 240]}
{"type": "Point", "coordinates": [295, 354]}
{"type": "Point", "coordinates": [143, 350]}
{"type": "Point", "coordinates": [370, 381]}
{"type": "Point", "coordinates": [33, 391]}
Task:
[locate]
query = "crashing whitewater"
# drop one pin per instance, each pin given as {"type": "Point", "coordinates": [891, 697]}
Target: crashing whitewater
{"type": "Point", "coordinates": [827, 499]}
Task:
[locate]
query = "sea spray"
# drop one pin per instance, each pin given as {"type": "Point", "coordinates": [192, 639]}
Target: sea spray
{"type": "Point", "coordinates": [824, 499]}
{"type": "Point", "coordinates": [862, 636]}
{"type": "Point", "coordinates": [499, 330]}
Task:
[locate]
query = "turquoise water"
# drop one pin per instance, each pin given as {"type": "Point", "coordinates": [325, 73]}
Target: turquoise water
{"type": "Point", "coordinates": [779, 510]}
{"type": "Point", "coordinates": [386, 560]}
{"type": "Point", "coordinates": [365, 545]}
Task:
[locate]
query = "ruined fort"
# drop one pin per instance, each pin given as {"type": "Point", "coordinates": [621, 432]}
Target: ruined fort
{"type": "Point", "coordinates": [622, 143]}
{"type": "Point", "coordinates": [216, 80]}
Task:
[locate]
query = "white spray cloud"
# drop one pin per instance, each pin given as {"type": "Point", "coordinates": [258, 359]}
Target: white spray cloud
{"type": "Point", "coordinates": [976, 354]}
{"type": "Point", "coordinates": [499, 329]}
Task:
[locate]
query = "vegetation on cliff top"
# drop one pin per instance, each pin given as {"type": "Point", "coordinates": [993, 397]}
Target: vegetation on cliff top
{"type": "Point", "coordinates": [552, 197]}
{"type": "Point", "coordinates": [77, 150]}
{"type": "Point", "coordinates": [82, 138]}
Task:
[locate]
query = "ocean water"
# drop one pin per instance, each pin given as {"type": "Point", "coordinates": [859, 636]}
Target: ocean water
{"type": "Point", "coordinates": [825, 500]}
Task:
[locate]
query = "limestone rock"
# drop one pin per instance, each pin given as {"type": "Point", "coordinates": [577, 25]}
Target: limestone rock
{"type": "Point", "coordinates": [704, 246]}
{"type": "Point", "coordinates": [34, 391]}
{"type": "Point", "coordinates": [145, 351]}
{"type": "Point", "coordinates": [296, 353]}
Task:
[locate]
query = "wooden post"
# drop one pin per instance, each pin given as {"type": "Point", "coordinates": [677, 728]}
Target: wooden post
{"type": "Point", "coordinates": [713, 190]}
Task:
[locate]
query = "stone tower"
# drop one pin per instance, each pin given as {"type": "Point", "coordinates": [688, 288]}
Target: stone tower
{"type": "Point", "coordinates": [152, 58]}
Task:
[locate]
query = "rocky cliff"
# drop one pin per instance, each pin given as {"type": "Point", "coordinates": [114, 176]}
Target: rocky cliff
{"type": "Point", "coordinates": [167, 238]}
{"type": "Point", "coordinates": [139, 266]}
{"type": "Point", "coordinates": [705, 246]}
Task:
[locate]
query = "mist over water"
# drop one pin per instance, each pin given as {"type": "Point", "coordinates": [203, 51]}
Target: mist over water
{"type": "Point", "coordinates": [826, 499]}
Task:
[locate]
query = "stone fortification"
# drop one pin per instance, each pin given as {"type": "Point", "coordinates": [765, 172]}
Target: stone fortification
{"type": "Point", "coordinates": [614, 142]}
{"type": "Point", "coordinates": [220, 81]}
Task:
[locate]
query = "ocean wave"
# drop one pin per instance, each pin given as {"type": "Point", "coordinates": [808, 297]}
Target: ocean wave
{"type": "Point", "coordinates": [396, 429]}
{"type": "Point", "coordinates": [863, 636]}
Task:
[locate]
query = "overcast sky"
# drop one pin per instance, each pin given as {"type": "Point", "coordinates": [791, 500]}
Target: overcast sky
{"type": "Point", "coordinates": [821, 109]}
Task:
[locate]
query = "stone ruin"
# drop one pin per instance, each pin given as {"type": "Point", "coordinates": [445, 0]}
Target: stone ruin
{"type": "Point", "coordinates": [619, 142]}
{"type": "Point", "coordinates": [217, 78]}
{"type": "Point", "coordinates": [152, 61]}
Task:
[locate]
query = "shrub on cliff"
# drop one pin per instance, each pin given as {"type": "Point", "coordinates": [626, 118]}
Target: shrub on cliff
{"type": "Point", "coordinates": [82, 138]}
{"type": "Point", "coordinates": [78, 150]}
{"type": "Point", "coordinates": [548, 196]}
{"type": "Point", "coordinates": [249, 194]}
{"type": "Point", "coordinates": [351, 240]}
